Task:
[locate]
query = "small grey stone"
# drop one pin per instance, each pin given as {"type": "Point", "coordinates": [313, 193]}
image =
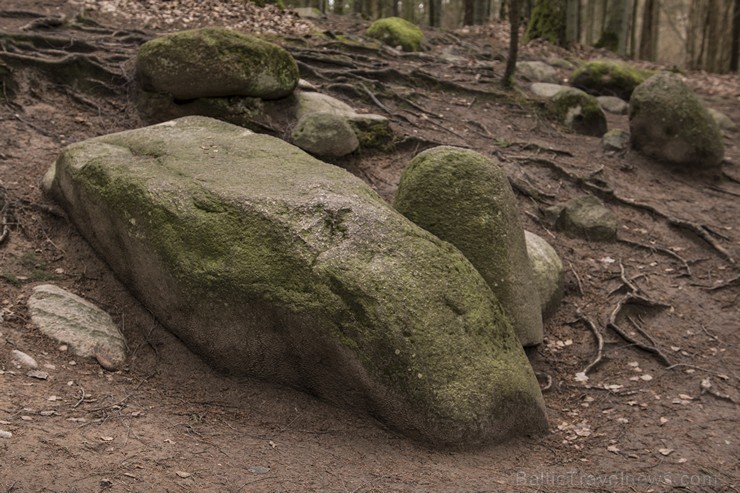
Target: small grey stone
{"type": "Point", "coordinates": [587, 217]}
{"type": "Point", "coordinates": [72, 320]}
{"type": "Point", "coordinates": [5, 434]}
{"type": "Point", "coordinates": [615, 140]}
{"type": "Point", "coordinates": [724, 121]}
{"type": "Point", "coordinates": [537, 72]}
{"type": "Point", "coordinates": [613, 104]}
{"type": "Point", "coordinates": [548, 273]}
{"type": "Point", "coordinates": [325, 134]}
{"type": "Point", "coordinates": [24, 360]}
{"type": "Point", "coordinates": [38, 374]}
{"type": "Point", "coordinates": [546, 90]}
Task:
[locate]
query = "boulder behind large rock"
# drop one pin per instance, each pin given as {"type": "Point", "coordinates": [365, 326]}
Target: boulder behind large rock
{"type": "Point", "coordinates": [466, 199]}
{"type": "Point", "coordinates": [271, 263]}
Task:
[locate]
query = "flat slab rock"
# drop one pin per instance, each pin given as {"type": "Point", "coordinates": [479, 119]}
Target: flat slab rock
{"type": "Point", "coordinates": [271, 263]}
{"type": "Point", "coordinates": [89, 331]}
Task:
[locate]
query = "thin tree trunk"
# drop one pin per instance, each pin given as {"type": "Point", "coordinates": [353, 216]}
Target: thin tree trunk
{"type": "Point", "coordinates": [735, 50]}
{"type": "Point", "coordinates": [508, 78]}
{"type": "Point", "coordinates": [649, 31]}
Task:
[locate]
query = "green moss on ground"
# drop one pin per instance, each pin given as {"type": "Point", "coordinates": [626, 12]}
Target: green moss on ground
{"type": "Point", "coordinates": [395, 31]}
{"type": "Point", "coordinates": [608, 78]}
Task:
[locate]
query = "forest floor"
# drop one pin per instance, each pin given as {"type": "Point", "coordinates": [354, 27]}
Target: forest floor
{"type": "Point", "coordinates": [665, 419]}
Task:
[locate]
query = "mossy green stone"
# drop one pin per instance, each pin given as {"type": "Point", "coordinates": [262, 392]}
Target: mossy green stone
{"type": "Point", "coordinates": [608, 78]}
{"type": "Point", "coordinates": [215, 62]}
{"type": "Point", "coordinates": [395, 31]}
{"type": "Point", "coordinates": [670, 124]}
{"type": "Point", "coordinates": [578, 111]}
{"type": "Point", "coordinates": [271, 263]}
{"type": "Point", "coordinates": [465, 198]}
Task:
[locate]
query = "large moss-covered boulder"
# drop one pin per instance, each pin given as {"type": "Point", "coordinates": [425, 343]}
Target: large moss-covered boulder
{"type": "Point", "coordinates": [608, 78]}
{"type": "Point", "coordinates": [269, 262]}
{"type": "Point", "coordinates": [578, 111]}
{"type": "Point", "coordinates": [215, 62]}
{"type": "Point", "coordinates": [466, 199]}
{"type": "Point", "coordinates": [670, 124]}
{"type": "Point", "coordinates": [395, 31]}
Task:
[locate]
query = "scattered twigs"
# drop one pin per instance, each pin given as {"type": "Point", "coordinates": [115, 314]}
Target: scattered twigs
{"type": "Point", "coordinates": [82, 397]}
{"type": "Point", "coordinates": [704, 233]}
{"type": "Point", "coordinates": [531, 146]}
{"type": "Point", "coordinates": [708, 388]}
{"type": "Point", "coordinates": [654, 248]}
{"type": "Point", "coordinates": [599, 343]}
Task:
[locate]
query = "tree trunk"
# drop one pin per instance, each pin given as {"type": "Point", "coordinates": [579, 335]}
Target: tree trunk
{"type": "Point", "coordinates": [547, 22]}
{"type": "Point", "coordinates": [649, 32]}
{"type": "Point", "coordinates": [435, 13]}
{"type": "Point", "coordinates": [508, 78]}
{"type": "Point", "coordinates": [572, 21]}
{"type": "Point", "coordinates": [468, 11]}
{"type": "Point", "coordinates": [614, 36]}
{"type": "Point", "coordinates": [735, 50]}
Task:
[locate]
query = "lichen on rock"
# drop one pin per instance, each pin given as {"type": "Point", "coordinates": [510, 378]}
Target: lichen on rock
{"type": "Point", "coordinates": [465, 198]}
{"type": "Point", "coordinates": [608, 78]}
{"type": "Point", "coordinates": [578, 111]}
{"type": "Point", "coordinates": [395, 31]}
{"type": "Point", "coordinates": [670, 124]}
{"type": "Point", "coordinates": [215, 62]}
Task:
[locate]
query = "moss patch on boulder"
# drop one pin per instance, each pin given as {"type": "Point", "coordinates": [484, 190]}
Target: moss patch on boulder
{"type": "Point", "coordinates": [670, 124]}
{"type": "Point", "coordinates": [395, 31]}
{"type": "Point", "coordinates": [578, 111]}
{"type": "Point", "coordinates": [215, 62]}
{"type": "Point", "coordinates": [608, 78]}
{"type": "Point", "coordinates": [465, 198]}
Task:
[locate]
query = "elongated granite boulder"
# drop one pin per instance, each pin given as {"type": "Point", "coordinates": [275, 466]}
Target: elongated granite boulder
{"type": "Point", "coordinates": [271, 263]}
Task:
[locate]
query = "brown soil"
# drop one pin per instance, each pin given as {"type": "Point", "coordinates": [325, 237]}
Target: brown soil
{"type": "Point", "coordinates": [167, 422]}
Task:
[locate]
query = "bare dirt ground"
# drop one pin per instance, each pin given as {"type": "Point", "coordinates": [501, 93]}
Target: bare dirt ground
{"type": "Point", "coordinates": [665, 420]}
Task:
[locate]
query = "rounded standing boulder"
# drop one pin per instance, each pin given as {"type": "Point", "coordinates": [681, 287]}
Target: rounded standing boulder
{"type": "Point", "coordinates": [465, 198]}
{"type": "Point", "coordinates": [670, 124]}
{"type": "Point", "coordinates": [215, 62]}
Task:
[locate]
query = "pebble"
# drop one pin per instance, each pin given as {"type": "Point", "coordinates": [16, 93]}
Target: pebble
{"type": "Point", "coordinates": [5, 434]}
{"type": "Point", "coordinates": [22, 359]}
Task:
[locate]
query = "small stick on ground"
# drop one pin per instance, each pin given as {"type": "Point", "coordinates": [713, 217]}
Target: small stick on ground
{"type": "Point", "coordinates": [82, 397]}
{"type": "Point", "coordinates": [735, 281]}
{"type": "Point", "coordinates": [578, 279]}
{"type": "Point", "coordinates": [599, 343]}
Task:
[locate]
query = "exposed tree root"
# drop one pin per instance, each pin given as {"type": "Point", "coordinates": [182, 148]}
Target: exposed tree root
{"type": "Point", "coordinates": [735, 281]}
{"type": "Point", "coordinates": [662, 250]}
{"type": "Point", "coordinates": [634, 297]}
{"type": "Point", "coordinates": [703, 231]}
